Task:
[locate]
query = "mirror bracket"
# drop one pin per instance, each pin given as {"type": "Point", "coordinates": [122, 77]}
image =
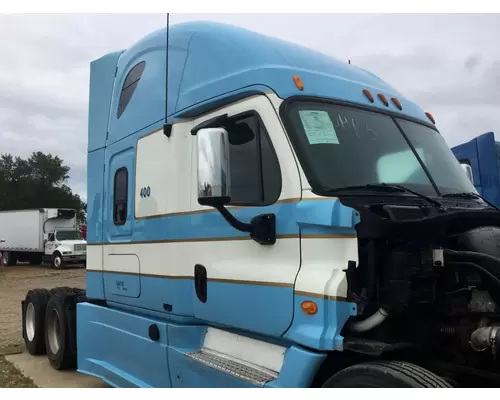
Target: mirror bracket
{"type": "Point", "coordinates": [262, 228]}
{"type": "Point", "coordinates": [167, 130]}
{"type": "Point", "coordinates": [215, 122]}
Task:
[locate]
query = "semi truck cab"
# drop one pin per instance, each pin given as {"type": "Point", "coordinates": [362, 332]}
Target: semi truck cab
{"type": "Point", "coordinates": [268, 216]}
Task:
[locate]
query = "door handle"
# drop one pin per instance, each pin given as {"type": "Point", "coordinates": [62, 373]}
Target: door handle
{"type": "Point", "coordinates": [200, 282]}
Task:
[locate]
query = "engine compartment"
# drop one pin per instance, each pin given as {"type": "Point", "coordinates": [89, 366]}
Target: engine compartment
{"type": "Point", "coordinates": [430, 282]}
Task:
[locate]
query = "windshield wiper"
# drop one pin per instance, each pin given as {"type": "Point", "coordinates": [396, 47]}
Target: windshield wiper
{"type": "Point", "coordinates": [471, 195]}
{"type": "Point", "coordinates": [385, 187]}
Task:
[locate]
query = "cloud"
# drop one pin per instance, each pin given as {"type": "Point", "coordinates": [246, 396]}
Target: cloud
{"type": "Point", "coordinates": [449, 64]}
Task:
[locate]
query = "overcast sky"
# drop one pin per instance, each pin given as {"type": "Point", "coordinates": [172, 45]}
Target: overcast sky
{"type": "Point", "coordinates": [448, 64]}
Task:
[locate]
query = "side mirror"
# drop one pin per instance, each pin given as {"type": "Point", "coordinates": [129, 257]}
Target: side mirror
{"type": "Point", "coordinates": [214, 175]}
{"type": "Point", "coordinates": [214, 185]}
{"type": "Point", "coordinates": [468, 171]}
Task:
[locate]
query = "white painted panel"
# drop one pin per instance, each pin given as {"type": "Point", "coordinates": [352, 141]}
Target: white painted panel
{"type": "Point", "coordinates": [51, 212]}
{"type": "Point", "coordinates": [163, 164]}
{"type": "Point", "coordinates": [309, 195]}
{"type": "Point", "coordinates": [323, 262]}
{"type": "Point", "coordinates": [125, 263]}
{"type": "Point", "coordinates": [94, 258]}
{"type": "Point", "coordinates": [236, 260]}
{"type": "Point", "coordinates": [276, 102]}
{"type": "Point", "coordinates": [21, 230]}
{"type": "Point", "coordinates": [253, 351]}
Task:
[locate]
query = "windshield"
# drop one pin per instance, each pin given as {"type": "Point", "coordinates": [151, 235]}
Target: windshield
{"type": "Point", "coordinates": [68, 235]}
{"type": "Point", "coordinates": [345, 146]}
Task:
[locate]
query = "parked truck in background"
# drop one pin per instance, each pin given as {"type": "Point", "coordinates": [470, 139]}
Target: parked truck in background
{"type": "Point", "coordinates": [294, 222]}
{"type": "Point", "coordinates": [41, 235]}
{"type": "Point", "coordinates": [483, 155]}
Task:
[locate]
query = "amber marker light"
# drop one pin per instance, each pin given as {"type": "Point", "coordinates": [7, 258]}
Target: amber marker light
{"type": "Point", "coordinates": [309, 307]}
{"type": "Point", "coordinates": [431, 118]}
{"type": "Point", "coordinates": [298, 82]}
{"type": "Point", "coordinates": [383, 99]}
{"type": "Point", "coordinates": [368, 95]}
{"type": "Point", "coordinates": [397, 103]}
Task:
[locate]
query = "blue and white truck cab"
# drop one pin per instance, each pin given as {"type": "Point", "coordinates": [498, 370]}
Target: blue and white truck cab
{"type": "Point", "coordinates": [278, 219]}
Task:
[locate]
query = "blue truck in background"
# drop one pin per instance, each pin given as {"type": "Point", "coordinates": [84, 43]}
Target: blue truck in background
{"type": "Point", "coordinates": [482, 154]}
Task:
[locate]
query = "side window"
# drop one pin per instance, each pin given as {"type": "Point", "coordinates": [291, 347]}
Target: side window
{"type": "Point", "coordinates": [120, 197]}
{"type": "Point", "coordinates": [255, 170]}
{"type": "Point", "coordinates": [129, 86]}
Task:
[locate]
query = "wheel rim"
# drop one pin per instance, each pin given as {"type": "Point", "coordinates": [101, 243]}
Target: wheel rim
{"type": "Point", "coordinates": [57, 261]}
{"type": "Point", "coordinates": [30, 321]}
{"type": "Point", "coordinates": [54, 332]}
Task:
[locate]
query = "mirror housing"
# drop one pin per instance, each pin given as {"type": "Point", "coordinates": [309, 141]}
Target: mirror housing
{"type": "Point", "coordinates": [214, 175]}
{"type": "Point", "coordinates": [468, 171]}
{"type": "Point", "coordinates": [214, 183]}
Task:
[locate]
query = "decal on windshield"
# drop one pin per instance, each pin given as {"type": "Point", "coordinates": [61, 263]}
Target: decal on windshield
{"type": "Point", "coordinates": [318, 127]}
{"type": "Point", "coordinates": [341, 122]}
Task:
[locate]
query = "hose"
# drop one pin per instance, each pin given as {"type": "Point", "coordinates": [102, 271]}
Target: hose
{"type": "Point", "coordinates": [381, 314]}
{"type": "Point", "coordinates": [370, 322]}
{"type": "Point", "coordinates": [472, 254]}
{"type": "Point", "coordinates": [477, 267]}
{"type": "Point", "coordinates": [484, 338]}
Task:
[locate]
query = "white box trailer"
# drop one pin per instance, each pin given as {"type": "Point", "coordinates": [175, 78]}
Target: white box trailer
{"type": "Point", "coordinates": [37, 235]}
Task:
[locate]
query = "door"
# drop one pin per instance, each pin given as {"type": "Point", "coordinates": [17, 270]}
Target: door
{"type": "Point", "coordinates": [50, 244]}
{"type": "Point", "coordinates": [124, 281]}
{"type": "Point", "coordinates": [238, 282]}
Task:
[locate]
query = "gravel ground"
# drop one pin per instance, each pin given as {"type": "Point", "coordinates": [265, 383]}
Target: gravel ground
{"type": "Point", "coordinates": [15, 283]}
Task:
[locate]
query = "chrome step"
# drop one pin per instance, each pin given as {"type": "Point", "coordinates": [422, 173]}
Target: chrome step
{"type": "Point", "coordinates": [248, 372]}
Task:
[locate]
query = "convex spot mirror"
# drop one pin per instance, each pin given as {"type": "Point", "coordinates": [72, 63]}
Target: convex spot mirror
{"type": "Point", "coordinates": [240, 134]}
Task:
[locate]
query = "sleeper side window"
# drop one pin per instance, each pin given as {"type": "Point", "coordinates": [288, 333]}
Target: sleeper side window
{"type": "Point", "coordinates": [129, 86]}
{"type": "Point", "coordinates": [120, 197]}
{"type": "Point", "coordinates": [255, 170]}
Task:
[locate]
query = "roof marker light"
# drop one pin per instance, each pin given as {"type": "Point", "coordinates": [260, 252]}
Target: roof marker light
{"type": "Point", "coordinates": [383, 99]}
{"type": "Point", "coordinates": [298, 82]}
{"type": "Point", "coordinates": [397, 103]}
{"type": "Point", "coordinates": [368, 95]}
{"type": "Point", "coordinates": [431, 118]}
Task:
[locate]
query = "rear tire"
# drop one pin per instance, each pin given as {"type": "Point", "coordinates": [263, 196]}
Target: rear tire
{"type": "Point", "coordinates": [9, 258]}
{"type": "Point", "coordinates": [33, 312]}
{"type": "Point", "coordinates": [58, 335]}
{"type": "Point", "coordinates": [385, 374]}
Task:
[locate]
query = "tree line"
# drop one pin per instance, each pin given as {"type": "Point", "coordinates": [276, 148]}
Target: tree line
{"type": "Point", "coordinates": [40, 181]}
